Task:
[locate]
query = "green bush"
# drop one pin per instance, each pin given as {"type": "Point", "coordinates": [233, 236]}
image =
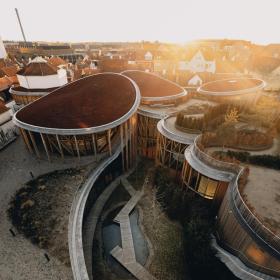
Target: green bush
{"type": "Point", "coordinates": [261, 160]}
{"type": "Point", "coordinates": [196, 216]}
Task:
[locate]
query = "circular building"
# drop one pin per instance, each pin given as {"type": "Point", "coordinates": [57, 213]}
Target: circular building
{"type": "Point", "coordinates": [93, 115]}
{"type": "Point", "coordinates": [159, 98]}
{"type": "Point", "coordinates": [242, 91]}
{"type": "Point", "coordinates": [172, 143]}
{"type": "Point", "coordinates": [205, 175]}
{"type": "Point", "coordinates": [37, 79]}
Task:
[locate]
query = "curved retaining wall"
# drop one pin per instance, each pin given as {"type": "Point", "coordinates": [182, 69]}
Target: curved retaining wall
{"type": "Point", "coordinates": [76, 219]}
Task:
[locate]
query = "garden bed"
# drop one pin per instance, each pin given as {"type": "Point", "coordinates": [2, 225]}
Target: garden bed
{"type": "Point", "coordinates": [40, 210]}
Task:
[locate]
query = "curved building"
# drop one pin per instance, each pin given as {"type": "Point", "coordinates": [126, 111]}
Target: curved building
{"type": "Point", "coordinates": [172, 143]}
{"type": "Point", "coordinates": [200, 173]}
{"type": "Point", "coordinates": [249, 239]}
{"type": "Point", "coordinates": [93, 115]}
{"type": "Point", "coordinates": [37, 79]}
{"type": "Point", "coordinates": [242, 91]}
{"type": "Point", "coordinates": [159, 98]}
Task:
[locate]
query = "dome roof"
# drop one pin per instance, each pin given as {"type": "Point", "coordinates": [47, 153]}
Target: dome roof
{"type": "Point", "coordinates": [94, 101]}
{"type": "Point", "coordinates": [38, 67]}
{"type": "Point", "coordinates": [232, 86]}
{"type": "Point", "coordinates": [154, 87]}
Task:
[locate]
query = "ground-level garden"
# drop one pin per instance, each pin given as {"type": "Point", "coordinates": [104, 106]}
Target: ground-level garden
{"type": "Point", "coordinates": [177, 226]}
{"type": "Point", "coordinates": [173, 226]}
{"type": "Point", "coordinates": [40, 210]}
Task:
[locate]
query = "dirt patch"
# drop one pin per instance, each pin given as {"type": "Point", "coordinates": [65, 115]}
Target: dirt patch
{"type": "Point", "coordinates": [40, 210]}
{"type": "Point", "coordinates": [262, 191]}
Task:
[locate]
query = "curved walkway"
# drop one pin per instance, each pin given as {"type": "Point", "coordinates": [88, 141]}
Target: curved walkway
{"type": "Point", "coordinates": [75, 227]}
{"type": "Point", "coordinates": [126, 255]}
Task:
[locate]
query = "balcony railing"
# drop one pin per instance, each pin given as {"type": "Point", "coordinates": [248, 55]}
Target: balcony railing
{"type": "Point", "coordinates": [215, 163]}
{"type": "Point", "coordinates": [263, 233]}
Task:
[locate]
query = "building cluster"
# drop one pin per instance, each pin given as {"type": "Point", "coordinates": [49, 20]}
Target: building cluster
{"type": "Point", "coordinates": [135, 112]}
{"type": "Point", "coordinates": [125, 99]}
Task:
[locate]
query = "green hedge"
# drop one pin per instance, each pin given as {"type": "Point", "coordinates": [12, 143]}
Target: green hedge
{"type": "Point", "coordinates": [261, 160]}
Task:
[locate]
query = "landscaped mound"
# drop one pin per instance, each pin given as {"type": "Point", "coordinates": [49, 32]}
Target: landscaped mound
{"type": "Point", "coordinates": [211, 118]}
{"type": "Point", "coordinates": [41, 208]}
{"type": "Point", "coordinates": [228, 125]}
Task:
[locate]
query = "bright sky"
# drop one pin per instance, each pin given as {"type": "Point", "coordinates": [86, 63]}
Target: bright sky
{"type": "Point", "coordinates": [134, 20]}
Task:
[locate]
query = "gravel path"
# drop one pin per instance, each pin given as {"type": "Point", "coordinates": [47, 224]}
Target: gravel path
{"type": "Point", "coordinates": [19, 258]}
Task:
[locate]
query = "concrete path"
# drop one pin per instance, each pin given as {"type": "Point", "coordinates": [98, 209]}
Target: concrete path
{"type": "Point", "coordinates": [128, 187]}
{"type": "Point", "coordinates": [136, 269]}
{"type": "Point", "coordinates": [126, 255]}
{"type": "Point", "coordinates": [91, 222]}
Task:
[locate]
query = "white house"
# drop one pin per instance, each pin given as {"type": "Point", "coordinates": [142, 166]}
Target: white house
{"type": "Point", "coordinates": [39, 74]}
{"type": "Point", "coordinates": [148, 56]}
{"type": "Point", "coordinates": [195, 81]}
{"type": "Point", "coordinates": [198, 64]}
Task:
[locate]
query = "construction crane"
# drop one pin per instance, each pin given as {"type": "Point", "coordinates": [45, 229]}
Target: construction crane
{"type": "Point", "coordinates": [21, 28]}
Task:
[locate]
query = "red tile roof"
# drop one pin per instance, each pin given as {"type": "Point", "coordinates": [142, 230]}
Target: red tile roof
{"type": "Point", "coordinates": [3, 108]}
{"type": "Point", "coordinates": [8, 71]}
{"type": "Point", "coordinates": [5, 83]}
{"type": "Point", "coordinates": [56, 61]}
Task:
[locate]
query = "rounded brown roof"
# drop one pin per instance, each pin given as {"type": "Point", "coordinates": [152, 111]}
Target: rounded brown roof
{"type": "Point", "coordinates": [232, 86]}
{"type": "Point", "coordinates": [38, 69]}
{"type": "Point", "coordinates": [95, 101]}
{"type": "Point", "coordinates": [20, 89]}
{"type": "Point", "coordinates": [154, 87]}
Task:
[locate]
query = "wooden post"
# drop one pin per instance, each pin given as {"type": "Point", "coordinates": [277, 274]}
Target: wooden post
{"type": "Point", "coordinates": [34, 144]}
{"type": "Point", "coordinates": [109, 141]}
{"type": "Point", "coordinates": [77, 146]}
{"type": "Point", "coordinates": [45, 146]}
{"type": "Point", "coordinates": [122, 146]}
{"type": "Point", "coordinates": [126, 147]}
{"type": "Point", "coordinates": [26, 140]}
{"type": "Point", "coordinates": [189, 175]}
{"type": "Point", "coordinates": [94, 144]}
{"type": "Point", "coordinates": [60, 147]}
{"type": "Point", "coordinates": [197, 181]}
{"type": "Point", "coordinates": [130, 141]}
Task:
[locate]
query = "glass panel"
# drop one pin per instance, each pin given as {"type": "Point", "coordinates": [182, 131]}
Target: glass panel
{"type": "Point", "coordinates": [211, 188]}
{"type": "Point", "coordinates": [202, 185]}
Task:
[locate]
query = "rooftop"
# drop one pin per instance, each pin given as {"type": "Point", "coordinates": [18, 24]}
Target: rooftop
{"type": "Point", "coordinates": [23, 89]}
{"type": "Point", "coordinates": [231, 86]}
{"type": "Point", "coordinates": [3, 108]}
{"type": "Point", "coordinates": [151, 85]}
{"type": "Point", "coordinates": [262, 194]}
{"type": "Point", "coordinates": [56, 61]}
{"type": "Point", "coordinates": [86, 103]}
{"type": "Point", "coordinates": [38, 67]}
